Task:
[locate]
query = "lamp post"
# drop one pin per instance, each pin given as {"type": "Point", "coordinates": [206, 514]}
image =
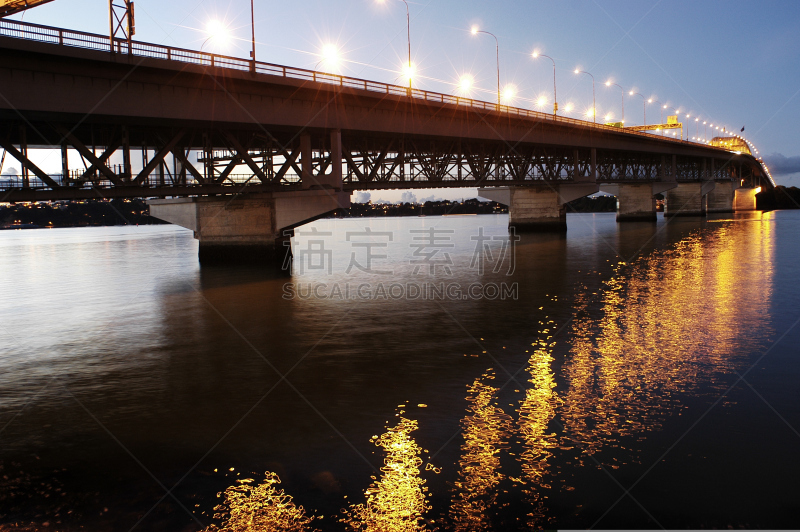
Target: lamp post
{"type": "Point", "coordinates": [644, 106]}
{"type": "Point", "coordinates": [594, 105]}
{"type": "Point", "coordinates": [253, 36]}
{"type": "Point", "coordinates": [608, 84]}
{"type": "Point", "coordinates": [408, 35]}
{"type": "Point", "coordinates": [476, 31]}
{"type": "Point", "coordinates": [555, 99]}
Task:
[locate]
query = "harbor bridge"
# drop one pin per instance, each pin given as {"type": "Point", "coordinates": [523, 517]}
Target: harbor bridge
{"type": "Point", "coordinates": [240, 151]}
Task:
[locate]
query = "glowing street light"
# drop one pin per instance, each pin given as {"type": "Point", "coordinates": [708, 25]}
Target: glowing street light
{"type": "Point", "coordinates": [476, 31]}
{"type": "Point", "coordinates": [608, 84]}
{"type": "Point", "coordinates": [594, 104]}
{"type": "Point", "coordinates": [409, 69]}
{"type": "Point", "coordinates": [408, 72]}
{"type": "Point", "coordinates": [568, 108]}
{"type": "Point", "coordinates": [218, 32]}
{"type": "Point", "coordinates": [465, 84]}
{"type": "Point", "coordinates": [330, 56]}
{"type": "Point", "coordinates": [509, 91]}
{"type": "Point", "coordinates": [555, 98]}
{"type": "Point", "coordinates": [644, 106]}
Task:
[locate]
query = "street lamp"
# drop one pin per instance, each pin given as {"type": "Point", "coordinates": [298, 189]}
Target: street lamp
{"type": "Point", "coordinates": [594, 105]}
{"type": "Point", "coordinates": [253, 36]}
{"type": "Point", "coordinates": [408, 32]}
{"type": "Point", "coordinates": [608, 84]}
{"type": "Point", "coordinates": [644, 106]}
{"type": "Point", "coordinates": [330, 56]}
{"type": "Point", "coordinates": [218, 32]}
{"type": "Point", "coordinates": [476, 31]}
{"type": "Point", "coordinates": [555, 99]}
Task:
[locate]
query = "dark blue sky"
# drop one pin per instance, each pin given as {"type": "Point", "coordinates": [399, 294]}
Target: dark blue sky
{"type": "Point", "coordinates": [734, 63]}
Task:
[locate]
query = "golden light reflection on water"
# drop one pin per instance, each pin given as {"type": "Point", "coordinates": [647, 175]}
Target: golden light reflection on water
{"type": "Point", "coordinates": [536, 411]}
{"type": "Point", "coordinates": [669, 326]}
{"type": "Point", "coordinates": [251, 507]}
{"type": "Point", "coordinates": [485, 429]}
{"type": "Point", "coordinates": [671, 323]}
{"type": "Point", "coordinates": [398, 500]}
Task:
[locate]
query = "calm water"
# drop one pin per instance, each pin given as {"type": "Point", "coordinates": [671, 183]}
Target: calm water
{"type": "Point", "coordinates": [640, 375]}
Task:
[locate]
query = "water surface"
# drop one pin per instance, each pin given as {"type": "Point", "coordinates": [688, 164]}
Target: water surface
{"type": "Point", "coordinates": [634, 375]}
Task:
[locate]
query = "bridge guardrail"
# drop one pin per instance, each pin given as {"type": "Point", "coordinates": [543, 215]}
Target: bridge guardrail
{"type": "Point", "coordinates": [91, 41]}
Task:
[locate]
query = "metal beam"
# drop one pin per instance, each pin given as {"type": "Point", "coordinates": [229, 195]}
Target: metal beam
{"type": "Point", "coordinates": [27, 163]}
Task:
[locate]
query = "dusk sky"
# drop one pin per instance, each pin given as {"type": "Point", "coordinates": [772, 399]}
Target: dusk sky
{"type": "Point", "coordinates": [733, 63]}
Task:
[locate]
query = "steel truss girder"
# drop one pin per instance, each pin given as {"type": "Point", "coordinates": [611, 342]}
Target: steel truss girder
{"type": "Point", "coordinates": [413, 161]}
{"type": "Point", "coordinates": [205, 159]}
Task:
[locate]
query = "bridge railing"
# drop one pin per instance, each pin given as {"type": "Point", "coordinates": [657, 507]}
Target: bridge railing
{"type": "Point", "coordinates": [91, 41]}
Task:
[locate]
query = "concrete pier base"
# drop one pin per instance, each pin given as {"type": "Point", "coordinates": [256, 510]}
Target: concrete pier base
{"type": "Point", "coordinates": [687, 199]}
{"type": "Point", "coordinates": [721, 198]}
{"type": "Point", "coordinates": [252, 228]}
{"type": "Point", "coordinates": [538, 208]}
{"type": "Point", "coordinates": [745, 199]}
{"type": "Point", "coordinates": [636, 202]}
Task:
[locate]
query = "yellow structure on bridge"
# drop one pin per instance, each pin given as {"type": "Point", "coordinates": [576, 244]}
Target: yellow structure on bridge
{"type": "Point", "coordinates": [731, 143]}
{"type": "Point", "coordinates": [10, 7]}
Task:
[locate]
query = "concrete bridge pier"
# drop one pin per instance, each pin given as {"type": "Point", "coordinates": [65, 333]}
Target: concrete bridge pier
{"type": "Point", "coordinates": [636, 201]}
{"type": "Point", "coordinates": [688, 199]}
{"type": "Point", "coordinates": [721, 199]}
{"type": "Point", "coordinates": [257, 227]}
{"type": "Point", "coordinates": [251, 228]}
{"type": "Point", "coordinates": [538, 208]}
{"type": "Point", "coordinates": [745, 198]}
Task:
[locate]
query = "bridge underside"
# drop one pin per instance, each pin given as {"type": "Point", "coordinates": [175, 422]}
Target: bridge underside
{"type": "Point", "coordinates": [101, 159]}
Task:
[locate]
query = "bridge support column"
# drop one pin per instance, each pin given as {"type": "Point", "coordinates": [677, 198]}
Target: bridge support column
{"type": "Point", "coordinates": [538, 208]}
{"type": "Point", "coordinates": [636, 202]}
{"type": "Point", "coordinates": [253, 228]}
{"type": "Point", "coordinates": [745, 199]}
{"type": "Point", "coordinates": [721, 198]}
{"type": "Point", "coordinates": [687, 199]}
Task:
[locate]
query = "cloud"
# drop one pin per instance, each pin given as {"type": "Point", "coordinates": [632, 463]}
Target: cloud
{"type": "Point", "coordinates": [779, 164]}
{"type": "Point", "coordinates": [408, 197]}
{"type": "Point", "coordinates": [361, 197]}
{"type": "Point", "coordinates": [11, 171]}
{"type": "Point", "coordinates": [430, 198]}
